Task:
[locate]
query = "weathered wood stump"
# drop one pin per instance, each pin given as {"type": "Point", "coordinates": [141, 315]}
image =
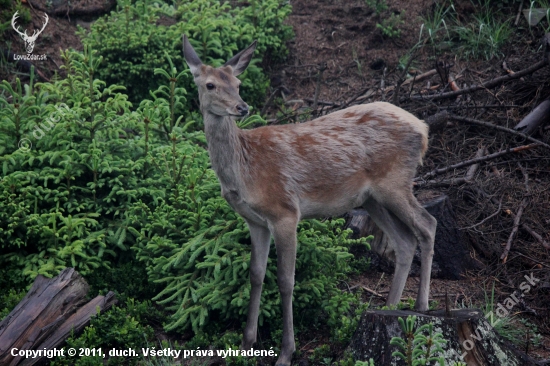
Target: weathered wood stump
{"type": "Point", "coordinates": [451, 255]}
{"type": "Point", "coordinates": [47, 315]}
{"type": "Point", "coordinates": [469, 338]}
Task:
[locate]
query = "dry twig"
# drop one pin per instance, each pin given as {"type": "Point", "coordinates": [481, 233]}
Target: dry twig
{"type": "Point", "coordinates": [487, 218]}
{"type": "Point", "coordinates": [466, 163]}
{"type": "Point", "coordinates": [488, 84]}
{"type": "Point", "coordinates": [500, 128]}
{"type": "Point", "coordinates": [322, 67]}
{"type": "Point", "coordinates": [522, 205]}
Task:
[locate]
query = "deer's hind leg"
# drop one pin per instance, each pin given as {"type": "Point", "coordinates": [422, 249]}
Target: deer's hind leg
{"type": "Point", "coordinates": [402, 241]}
{"type": "Point", "coordinates": [420, 228]}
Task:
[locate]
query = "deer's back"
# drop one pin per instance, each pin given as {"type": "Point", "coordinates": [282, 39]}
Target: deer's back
{"type": "Point", "coordinates": [335, 161]}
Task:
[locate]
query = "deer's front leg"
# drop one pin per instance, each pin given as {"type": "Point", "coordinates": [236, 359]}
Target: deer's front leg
{"type": "Point", "coordinates": [284, 233]}
{"type": "Point", "coordinates": [260, 237]}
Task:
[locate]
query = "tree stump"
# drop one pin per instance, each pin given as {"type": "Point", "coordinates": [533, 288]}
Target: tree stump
{"type": "Point", "coordinates": [451, 255]}
{"type": "Point", "coordinates": [469, 338]}
{"type": "Point", "coordinates": [47, 315]}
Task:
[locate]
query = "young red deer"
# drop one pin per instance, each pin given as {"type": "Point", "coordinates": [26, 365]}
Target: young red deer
{"type": "Point", "coordinates": [275, 176]}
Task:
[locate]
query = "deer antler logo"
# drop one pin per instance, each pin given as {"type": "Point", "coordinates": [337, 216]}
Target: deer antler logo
{"type": "Point", "coordinates": [29, 40]}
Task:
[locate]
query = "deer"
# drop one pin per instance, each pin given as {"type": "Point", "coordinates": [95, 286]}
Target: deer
{"type": "Point", "coordinates": [29, 40]}
{"type": "Point", "coordinates": [274, 176]}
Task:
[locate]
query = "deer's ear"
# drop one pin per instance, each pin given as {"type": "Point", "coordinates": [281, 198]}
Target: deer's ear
{"type": "Point", "coordinates": [240, 61]}
{"type": "Point", "coordinates": [193, 61]}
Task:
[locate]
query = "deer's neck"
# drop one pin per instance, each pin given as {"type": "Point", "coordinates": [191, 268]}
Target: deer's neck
{"type": "Point", "coordinates": [224, 148]}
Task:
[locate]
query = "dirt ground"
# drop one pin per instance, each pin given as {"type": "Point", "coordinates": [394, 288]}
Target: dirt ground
{"type": "Point", "coordinates": [343, 35]}
{"type": "Point", "coordinates": [360, 64]}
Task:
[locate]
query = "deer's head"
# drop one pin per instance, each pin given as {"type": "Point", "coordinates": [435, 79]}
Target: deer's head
{"type": "Point", "coordinates": [29, 40]}
{"type": "Point", "coordinates": [219, 87]}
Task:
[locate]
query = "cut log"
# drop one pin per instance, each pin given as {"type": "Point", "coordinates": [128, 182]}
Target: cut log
{"type": "Point", "coordinates": [538, 117]}
{"type": "Point", "coordinates": [469, 336]}
{"type": "Point", "coordinates": [47, 315]}
{"type": "Point", "coordinates": [451, 254]}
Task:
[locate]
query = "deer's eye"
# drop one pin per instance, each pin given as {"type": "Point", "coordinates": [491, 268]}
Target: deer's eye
{"type": "Point", "coordinates": [210, 86]}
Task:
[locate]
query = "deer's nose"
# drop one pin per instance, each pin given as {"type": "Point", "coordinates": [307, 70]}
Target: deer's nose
{"type": "Point", "coordinates": [242, 109]}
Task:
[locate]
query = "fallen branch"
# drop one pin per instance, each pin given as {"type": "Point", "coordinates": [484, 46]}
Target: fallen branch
{"type": "Point", "coordinates": [441, 183]}
{"type": "Point", "coordinates": [488, 84]}
{"type": "Point", "coordinates": [322, 67]}
{"type": "Point", "coordinates": [453, 84]}
{"type": "Point", "coordinates": [538, 116]}
{"type": "Point", "coordinates": [500, 128]}
{"type": "Point", "coordinates": [455, 181]}
{"type": "Point", "coordinates": [519, 14]}
{"type": "Point", "coordinates": [522, 205]}
{"type": "Point", "coordinates": [504, 255]}
{"type": "Point", "coordinates": [526, 227]}
{"type": "Point", "coordinates": [473, 169]}
{"type": "Point", "coordinates": [487, 218]}
{"type": "Point", "coordinates": [420, 77]}
{"type": "Point", "coordinates": [466, 163]}
{"type": "Point", "coordinates": [373, 292]}
{"type": "Point", "coordinates": [357, 96]}
{"type": "Point", "coordinates": [479, 106]}
{"type": "Point", "coordinates": [536, 235]}
{"type": "Point", "coordinates": [321, 102]}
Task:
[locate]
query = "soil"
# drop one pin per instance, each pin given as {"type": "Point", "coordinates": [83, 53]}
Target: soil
{"type": "Point", "coordinates": [360, 63]}
{"type": "Point", "coordinates": [344, 36]}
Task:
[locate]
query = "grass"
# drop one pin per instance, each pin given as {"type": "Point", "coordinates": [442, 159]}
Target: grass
{"type": "Point", "coordinates": [483, 36]}
{"type": "Point", "coordinates": [436, 26]}
{"type": "Point", "coordinates": [515, 330]}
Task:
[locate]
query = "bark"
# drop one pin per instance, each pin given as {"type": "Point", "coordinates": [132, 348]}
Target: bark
{"type": "Point", "coordinates": [47, 315]}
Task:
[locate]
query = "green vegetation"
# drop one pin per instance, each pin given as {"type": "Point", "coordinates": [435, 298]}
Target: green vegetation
{"type": "Point", "coordinates": [390, 26]}
{"type": "Point", "coordinates": [520, 332]}
{"type": "Point", "coordinates": [482, 36]}
{"type": "Point", "coordinates": [120, 328]}
{"type": "Point", "coordinates": [435, 25]}
{"type": "Point", "coordinates": [124, 192]}
{"type": "Point", "coordinates": [379, 6]}
{"type": "Point", "coordinates": [389, 21]}
{"type": "Point", "coordinates": [416, 348]}
{"type": "Point", "coordinates": [8, 300]}
{"type": "Point", "coordinates": [133, 44]}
